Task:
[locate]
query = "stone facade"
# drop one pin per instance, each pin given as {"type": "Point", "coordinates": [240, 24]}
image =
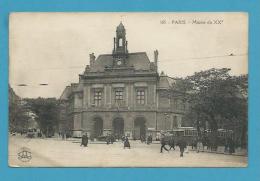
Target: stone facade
{"type": "Point", "coordinates": [123, 94]}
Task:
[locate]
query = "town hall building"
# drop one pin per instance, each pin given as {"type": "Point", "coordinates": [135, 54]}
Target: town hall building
{"type": "Point", "coordinates": [121, 93]}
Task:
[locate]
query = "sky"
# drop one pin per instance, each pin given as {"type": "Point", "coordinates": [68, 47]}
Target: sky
{"type": "Point", "coordinates": [54, 48]}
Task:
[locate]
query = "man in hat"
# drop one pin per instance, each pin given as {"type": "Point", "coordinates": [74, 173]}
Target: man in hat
{"type": "Point", "coordinates": [182, 145]}
{"type": "Point", "coordinates": [126, 143]}
{"type": "Point", "coordinates": [84, 140]}
{"type": "Point", "coordinates": [108, 138]}
{"type": "Point", "coordinates": [149, 139]}
{"type": "Point", "coordinates": [163, 143]}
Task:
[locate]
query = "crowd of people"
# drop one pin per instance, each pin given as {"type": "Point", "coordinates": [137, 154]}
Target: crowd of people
{"type": "Point", "coordinates": [199, 145]}
{"type": "Point", "coordinates": [196, 144]}
{"type": "Point", "coordinates": [110, 139]}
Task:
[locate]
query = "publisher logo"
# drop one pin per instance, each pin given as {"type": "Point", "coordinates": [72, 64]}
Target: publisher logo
{"type": "Point", "coordinates": [24, 154]}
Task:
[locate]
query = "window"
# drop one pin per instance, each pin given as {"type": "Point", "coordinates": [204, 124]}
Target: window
{"type": "Point", "coordinates": [118, 95]}
{"type": "Point", "coordinates": [97, 97]}
{"type": "Point", "coordinates": [140, 96]}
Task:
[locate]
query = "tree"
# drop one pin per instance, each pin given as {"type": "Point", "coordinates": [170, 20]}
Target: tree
{"type": "Point", "coordinates": [216, 98]}
{"type": "Point", "coordinates": [18, 113]}
{"type": "Point", "coordinates": [47, 112]}
{"type": "Point", "coordinates": [18, 117]}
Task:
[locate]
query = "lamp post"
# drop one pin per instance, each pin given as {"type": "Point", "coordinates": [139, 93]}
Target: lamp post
{"type": "Point", "coordinates": [166, 115]}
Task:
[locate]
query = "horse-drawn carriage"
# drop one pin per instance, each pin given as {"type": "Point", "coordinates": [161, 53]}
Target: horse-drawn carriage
{"type": "Point", "coordinates": [207, 137]}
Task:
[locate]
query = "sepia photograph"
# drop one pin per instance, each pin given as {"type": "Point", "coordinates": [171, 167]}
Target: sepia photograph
{"type": "Point", "coordinates": [121, 89]}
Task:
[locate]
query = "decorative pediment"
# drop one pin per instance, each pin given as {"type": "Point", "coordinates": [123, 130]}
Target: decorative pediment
{"type": "Point", "coordinates": [118, 85]}
{"type": "Point", "coordinates": [95, 86]}
{"type": "Point", "coordinates": [140, 84]}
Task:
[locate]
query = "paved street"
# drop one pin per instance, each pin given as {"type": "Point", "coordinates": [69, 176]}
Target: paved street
{"type": "Point", "coordinates": [55, 152]}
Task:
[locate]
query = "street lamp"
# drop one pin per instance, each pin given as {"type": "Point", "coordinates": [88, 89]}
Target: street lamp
{"type": "Point", "coordinates": [166, 115]}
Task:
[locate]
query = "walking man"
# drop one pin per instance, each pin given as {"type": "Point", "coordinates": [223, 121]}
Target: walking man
{"type": "Point", "coordinates": [171, 143]}
{"type": "Point", "coordinates": [163, 143]}
{"type": "Point", "coordinates": [182, 145]}
{"type": "Point", "coordinates": [84, 140]}
{"type": "Point", "coordinates": [126, 143]}
{"type": "Point", "coordinates": [149, 139]}
{"type": "Point", "coordinates": [108, 139]}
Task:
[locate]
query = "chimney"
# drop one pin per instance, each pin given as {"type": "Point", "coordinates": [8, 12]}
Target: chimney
{"type": "Point", "coordinates": [91, 59]}
{"type": "Point", "coordinates": [156, 53]}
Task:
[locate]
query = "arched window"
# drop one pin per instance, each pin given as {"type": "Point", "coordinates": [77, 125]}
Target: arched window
{"type": "Point", "coordinates": [120, 42]}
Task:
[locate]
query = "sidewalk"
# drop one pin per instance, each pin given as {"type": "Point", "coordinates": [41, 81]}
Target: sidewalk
{"type": "Point", "coordinates": [221, 150]}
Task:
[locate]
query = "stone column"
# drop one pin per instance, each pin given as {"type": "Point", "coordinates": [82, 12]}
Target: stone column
{"type": "Point", "coordinates": [107, 124]}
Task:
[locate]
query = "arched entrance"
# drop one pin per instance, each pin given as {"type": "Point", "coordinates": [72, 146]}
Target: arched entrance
{"type": "Point", "coordinates": [98, 127]}
{"type": "Point", "coordinates": [139, 128]}
{"type": "Point", "coordinates": [118, 127]}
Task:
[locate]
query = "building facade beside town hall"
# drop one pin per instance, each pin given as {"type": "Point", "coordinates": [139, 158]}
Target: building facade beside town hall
{"type": "Point", "coordinates": [122, 94]}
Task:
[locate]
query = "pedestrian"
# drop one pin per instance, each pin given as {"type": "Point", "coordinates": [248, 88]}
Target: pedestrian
{"type": "Point", "coordinates": [149, 139]}
{"type": "Point", "coordinates": [182, 145]}
{"type": "Point", "coordinates": [194, 144]}
{"type": "Point", "coordinates": [108, 138]}
{"type": "Point", "coordinates": [84, 140]}
{"type": "Point", "coordinates": [199, 145]}
{"type": "Point", "coordinates": [126, 143]}
{"type": "Point", "coordinates": [163, 143]}
{"type": "Point", "coordinates": [171, 143]}
{"type": "Point", "coordinates": [226, 145]}
{"type": "Point", "coordinates": [231, 146]}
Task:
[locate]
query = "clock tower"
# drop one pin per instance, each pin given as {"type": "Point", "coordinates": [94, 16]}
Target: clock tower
{"type": "Point", "coordinates": [120, 51]}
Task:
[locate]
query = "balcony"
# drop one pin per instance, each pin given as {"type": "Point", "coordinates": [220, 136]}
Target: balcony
{"type": "Point", "coordinates": [119, 104]}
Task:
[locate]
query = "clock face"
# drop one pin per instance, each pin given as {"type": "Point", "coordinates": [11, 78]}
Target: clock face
{"type": "Point", "coordinates": [119, 62]}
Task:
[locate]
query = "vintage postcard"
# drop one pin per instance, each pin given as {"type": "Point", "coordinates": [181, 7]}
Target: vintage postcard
{"type": "Point", "coordinates": [128, 89]}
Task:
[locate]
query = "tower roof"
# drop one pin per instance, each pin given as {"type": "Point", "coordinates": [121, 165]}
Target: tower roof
{"type": "Point", "coordinates": [120, 27]}
{"type": "Point", "coordinates": [138, 60]}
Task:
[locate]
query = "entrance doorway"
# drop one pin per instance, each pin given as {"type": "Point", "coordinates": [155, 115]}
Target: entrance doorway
{"type": "Point", "coordinates": [118, 128]}
{"type": "Point", "coordinates": [98, 127]}
{"type": "Point", "coordinates": [139, 128]}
